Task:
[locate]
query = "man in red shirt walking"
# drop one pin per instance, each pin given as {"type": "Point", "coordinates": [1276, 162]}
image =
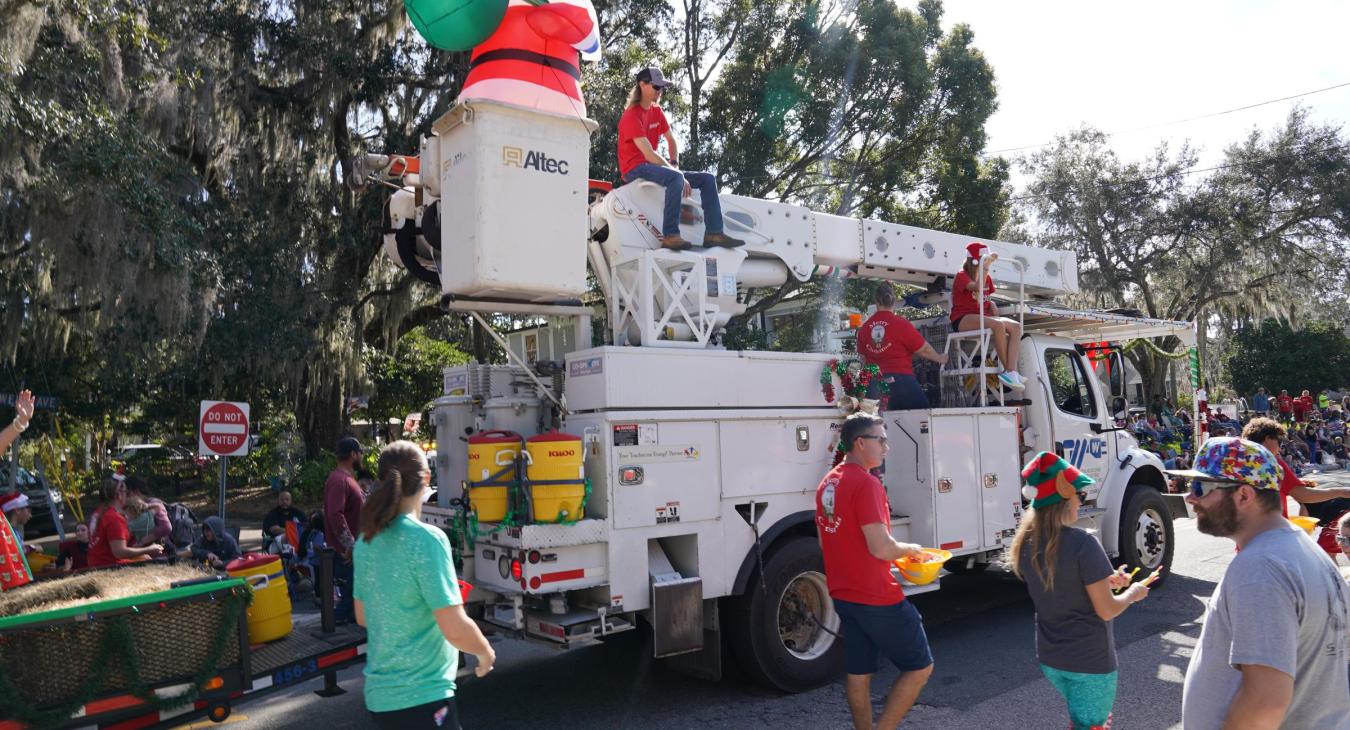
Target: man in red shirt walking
{"type": "Point", "coordinates": [641, 126]}
{"type": "Point", "coordinates": [342, 502]}
{"type": "Point", "coordinates": [853, 522]}
{"type": "Point", "coordinates": [890, 342]}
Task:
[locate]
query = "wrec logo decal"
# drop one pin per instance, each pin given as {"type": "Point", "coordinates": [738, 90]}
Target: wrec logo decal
{"type": "Point", "coordinates": [532, 160]}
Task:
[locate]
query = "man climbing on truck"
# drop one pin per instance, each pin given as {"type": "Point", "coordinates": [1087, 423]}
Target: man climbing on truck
{"type": "Point", "coordinates": [641, 125]}
{"type": "Point", "coordinates": [852, 518]}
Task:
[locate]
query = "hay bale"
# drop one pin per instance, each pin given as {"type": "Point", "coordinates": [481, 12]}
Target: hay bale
{"type": "Point", "coordinates": [50, 664]}
{"type": "Point", "coordinates": [101, 585]}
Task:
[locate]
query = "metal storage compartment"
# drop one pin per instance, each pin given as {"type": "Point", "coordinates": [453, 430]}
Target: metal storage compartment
{"type": "Point", "coordinates": [955, 474]}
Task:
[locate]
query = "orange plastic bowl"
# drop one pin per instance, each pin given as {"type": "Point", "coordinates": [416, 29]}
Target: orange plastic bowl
{"type": "Point", "coordinates": [923, 573]}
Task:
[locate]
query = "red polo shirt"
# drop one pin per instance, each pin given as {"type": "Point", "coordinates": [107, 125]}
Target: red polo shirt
{"type": "Point", "coordinates": [889, 341]}
{"type": "Point", "coordinates": [848, 498]}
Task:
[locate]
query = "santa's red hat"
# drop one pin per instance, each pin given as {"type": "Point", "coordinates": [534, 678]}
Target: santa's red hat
{"type": "Point", "coordinates": [976, 249]}
{"type": "Point", "coordinates": [11, 502]}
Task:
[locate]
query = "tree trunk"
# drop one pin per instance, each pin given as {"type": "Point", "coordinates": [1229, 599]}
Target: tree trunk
{"type": "Point", "coordinates": [319, 414]}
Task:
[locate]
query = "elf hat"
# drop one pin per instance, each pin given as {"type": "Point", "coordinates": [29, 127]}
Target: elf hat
{"type": "Point", "coordinates": [1050, 479]}
{"type": "Point", "coordinates": [11, 502]}
{"type": "Point", "coordinates": [976, 249]}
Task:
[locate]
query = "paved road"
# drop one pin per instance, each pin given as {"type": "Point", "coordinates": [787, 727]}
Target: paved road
{"type": "Point", "coordinates": [985, 675]}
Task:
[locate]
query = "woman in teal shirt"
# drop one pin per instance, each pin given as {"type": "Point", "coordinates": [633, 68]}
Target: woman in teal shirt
{"type": "Point", "coordinates": [407, 597]}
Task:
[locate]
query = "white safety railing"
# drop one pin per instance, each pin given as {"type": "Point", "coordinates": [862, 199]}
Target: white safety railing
{"type": "Point", "coordinates": [663, 295]}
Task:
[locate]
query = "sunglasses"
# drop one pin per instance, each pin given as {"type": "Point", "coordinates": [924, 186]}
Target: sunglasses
{"type": "Point", "coordinates": [884, 440]}
{"type": "Point", "coordinates": [1082, 496]}
{"type": "Point", "coordinates": [1201, 487]}
{"type": "Point", "coordinates": [1342, 539]}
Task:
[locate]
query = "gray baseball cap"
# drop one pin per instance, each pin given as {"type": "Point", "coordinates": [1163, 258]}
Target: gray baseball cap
{"type": "Point", "coordinates": [653, 76]}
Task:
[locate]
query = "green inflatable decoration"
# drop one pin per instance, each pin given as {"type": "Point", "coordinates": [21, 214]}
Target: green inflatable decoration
{"type": "Point", "coordinates": [456, 25]}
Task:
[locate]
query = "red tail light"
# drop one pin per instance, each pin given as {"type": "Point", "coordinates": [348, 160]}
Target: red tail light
{"type": "Point", "coordinates": [516, 569]}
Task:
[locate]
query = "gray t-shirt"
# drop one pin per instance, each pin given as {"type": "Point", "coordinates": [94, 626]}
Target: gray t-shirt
{"type": "Point", "coordinates": [1281, 604]}
{"type": "Point", "coordinates": [1070, 636]}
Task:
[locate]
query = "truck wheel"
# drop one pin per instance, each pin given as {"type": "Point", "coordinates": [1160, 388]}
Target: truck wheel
{"type": "Point", "coordinates": [1146, 537]}
{"type": "Point", "coordinates": [784, 631]}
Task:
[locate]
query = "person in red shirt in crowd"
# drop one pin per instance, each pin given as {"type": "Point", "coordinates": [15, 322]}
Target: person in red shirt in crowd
{"type": "Point", "coordinates": [1007, 333]}
{"type": "Point", "coordinates": [890, 342]}
{"type": "Point", "coordinates": [852, 520]}
{"type": "Point", "coordinates": [1270, 434]}
{"type": "Point", "coordinates": [108, 542]}
{"type": "Point", "coordinates": [641, 126]}
{"type": "Point", "coordinates": [1284, 405]}
{"type": "Point", "coordinates": [342, 502]}
{"type": "Point", "coordinates": [1303, 406]}
{"type": "Point", "coordinates": [73, 554]}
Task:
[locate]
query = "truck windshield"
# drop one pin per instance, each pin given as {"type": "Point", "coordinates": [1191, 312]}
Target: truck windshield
{"type": "Point", "coordinates": [1069, 383]}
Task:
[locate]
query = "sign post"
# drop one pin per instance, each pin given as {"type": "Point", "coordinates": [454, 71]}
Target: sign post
{"type": "Point", "coordinates": [222, 431]}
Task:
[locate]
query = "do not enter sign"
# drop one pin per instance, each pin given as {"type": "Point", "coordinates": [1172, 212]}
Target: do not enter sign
{"type": "Point", "coordinates": [223, 429]}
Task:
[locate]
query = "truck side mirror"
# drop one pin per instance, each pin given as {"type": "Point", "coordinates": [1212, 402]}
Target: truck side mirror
{"type": "Point", "coordinates": [1120, 408]}
{"type": "Point", "coordinates": [1117, 362]}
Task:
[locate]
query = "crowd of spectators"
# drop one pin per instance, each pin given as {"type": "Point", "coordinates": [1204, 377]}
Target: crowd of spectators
{"type": "Point", "coordinates": [1315, 423]}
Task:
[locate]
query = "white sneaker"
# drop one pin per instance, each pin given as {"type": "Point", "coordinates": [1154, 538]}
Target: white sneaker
{"type": "Point", "coordinates": [1010, 380]}
{"type": "Point", "coordinates": [1020, 378]}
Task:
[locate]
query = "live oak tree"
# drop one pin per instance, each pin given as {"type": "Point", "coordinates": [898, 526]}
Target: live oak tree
{"type": "Point", "coordinates": [863, 109]}
{"type": "Point", "coordinates": [1263, 234]}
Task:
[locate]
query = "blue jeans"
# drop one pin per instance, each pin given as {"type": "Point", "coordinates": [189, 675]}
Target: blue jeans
{"type": "Point", "coordinates": [673, 182]}
{"type": "Point", "coordinates": [905, 392]}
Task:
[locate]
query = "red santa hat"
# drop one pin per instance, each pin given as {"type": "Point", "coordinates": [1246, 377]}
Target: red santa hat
{"type": "Point", "coordinates": [11, 502]}
{"type": "Point", "coordinates": [976, 249]}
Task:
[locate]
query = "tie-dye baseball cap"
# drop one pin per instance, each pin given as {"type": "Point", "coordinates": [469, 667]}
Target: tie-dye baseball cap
{"type": "Point", "coordinates": [1236, 461]}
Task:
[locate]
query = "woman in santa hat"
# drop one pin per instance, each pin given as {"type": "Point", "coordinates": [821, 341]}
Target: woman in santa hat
{"type": "Point", "coordinates": [1006, 332]}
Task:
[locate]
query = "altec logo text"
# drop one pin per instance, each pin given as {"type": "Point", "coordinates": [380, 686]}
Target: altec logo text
{"type": "Point", "coordinates": [532, 160]}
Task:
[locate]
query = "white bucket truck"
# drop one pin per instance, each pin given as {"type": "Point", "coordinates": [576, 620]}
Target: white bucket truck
{"type": "Point", "coordinates": [702, 462]}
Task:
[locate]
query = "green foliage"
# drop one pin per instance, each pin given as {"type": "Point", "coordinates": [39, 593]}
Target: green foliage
{"type": "Point", "coordinates": [1277, 357]}
{"type": "Point", "coordinates": [307, 485]}
{"type": "Point", "coordinates": [1265, 235]}
{"type": "Point", "coordinates": [409, 378]}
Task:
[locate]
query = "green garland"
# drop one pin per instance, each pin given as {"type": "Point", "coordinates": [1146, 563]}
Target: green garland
{"type": "Point", "coordinates": [1132, 344]}
{"type": "Point", "coordinates": [117, 649]}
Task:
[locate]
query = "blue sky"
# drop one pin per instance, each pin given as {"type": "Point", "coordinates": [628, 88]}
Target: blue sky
{"type": "Point", "coordinates": [1122, 66]}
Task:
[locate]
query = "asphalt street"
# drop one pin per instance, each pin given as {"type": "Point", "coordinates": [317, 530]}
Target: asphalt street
{"type": "Point", "coordinates": [985, 673]}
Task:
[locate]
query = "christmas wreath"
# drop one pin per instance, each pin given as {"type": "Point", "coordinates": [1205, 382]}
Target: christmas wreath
{"type": "Point", "coordinates": [855, 379]}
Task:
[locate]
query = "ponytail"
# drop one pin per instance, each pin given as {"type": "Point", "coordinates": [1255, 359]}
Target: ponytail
{"type": "Point", "coordinates": [401, 467]}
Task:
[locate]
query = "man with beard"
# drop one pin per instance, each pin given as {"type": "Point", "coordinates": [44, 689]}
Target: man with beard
{"type": "Point", "coordinates": [1272, 653]}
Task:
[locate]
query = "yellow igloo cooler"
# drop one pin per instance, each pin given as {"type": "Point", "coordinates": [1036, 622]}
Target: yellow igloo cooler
{"type": "Point", "coordinates": [554, 471]}
{"type": "Point", "coordinates": [269, 617]}
{"type": "Point", "coordinates": [489, 453]}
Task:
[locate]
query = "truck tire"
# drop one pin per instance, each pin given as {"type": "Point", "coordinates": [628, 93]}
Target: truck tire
{"type": "Point", "coordinates": [783, 631]}
{"type": "Point", "coordinates": [1146, 537]}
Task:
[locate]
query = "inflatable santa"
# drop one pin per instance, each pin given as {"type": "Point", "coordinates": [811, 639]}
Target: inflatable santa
{"type": "Point", "coordinates": [533, 58]}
